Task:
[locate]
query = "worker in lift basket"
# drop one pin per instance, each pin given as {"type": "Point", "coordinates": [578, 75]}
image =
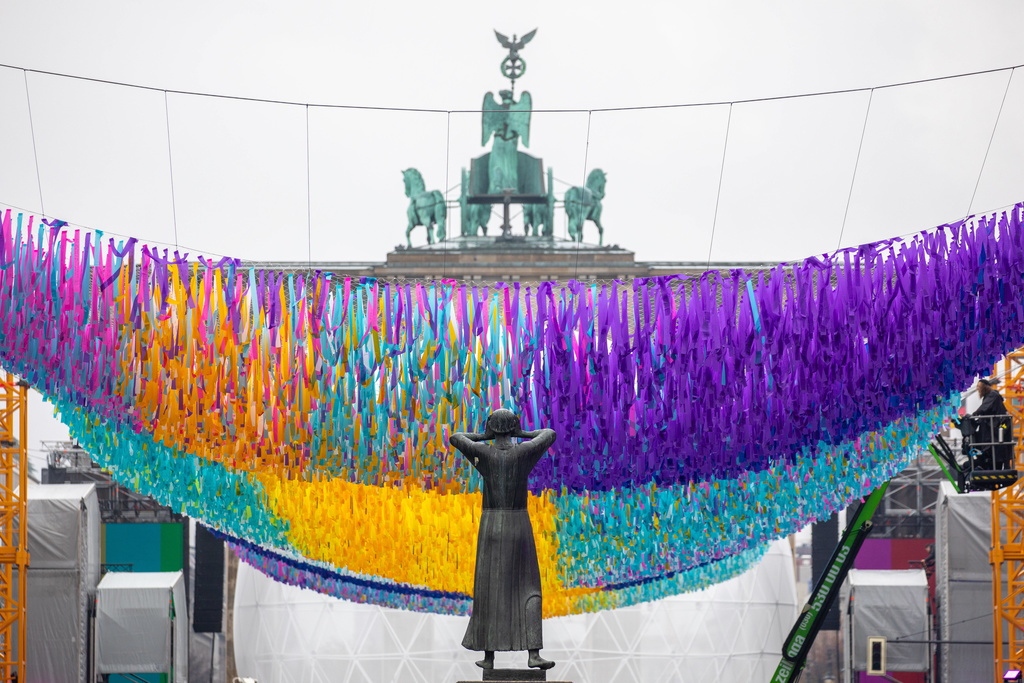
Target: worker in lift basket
{"type": "Point", "coordinates": [991, 425]}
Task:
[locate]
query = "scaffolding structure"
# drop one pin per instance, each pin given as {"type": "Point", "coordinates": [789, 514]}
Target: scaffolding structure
{"type": "Point", "coordinates": [69, 463]}
{"type": "Point", "coordinates": [908, 510]}
{"type": "Point", "coordinates": [13, 520]}
{"type": "Point", "coordinates": [1007, 554]}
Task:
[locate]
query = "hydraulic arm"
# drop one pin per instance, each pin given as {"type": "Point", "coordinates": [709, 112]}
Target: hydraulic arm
{"type": "Point", "coordinates": [965, 478]}
{"type": "Point", "coordinates": [798, 642]}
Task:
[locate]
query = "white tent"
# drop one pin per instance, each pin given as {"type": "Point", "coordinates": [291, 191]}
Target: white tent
{"type": "Point", "coordinates": [963, 583]}
{"type": "Point", "coordinates": [64, 552]}
{"type": "Point", "coordinates": [887, 603]}
{"type": "Point", "coordinates": [142, 624]}
{"type": "Point", "coordinates": [731, 631]}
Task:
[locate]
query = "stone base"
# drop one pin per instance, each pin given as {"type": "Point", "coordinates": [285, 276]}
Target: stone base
{"type": "Point", "coordinates": [514, 676]}
{"type": "Point", "coordinates": [516, 258]}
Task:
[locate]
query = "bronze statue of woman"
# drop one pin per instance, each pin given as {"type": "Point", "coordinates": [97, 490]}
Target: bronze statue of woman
{"type": "Point", "coordinates": [506, 588]}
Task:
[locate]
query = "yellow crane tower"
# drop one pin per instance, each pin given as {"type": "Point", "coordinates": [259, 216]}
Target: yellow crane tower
{"type": "Point", "coordinates": [1007, 554]}
{"type": "Point", "coordinates": [13, 525]}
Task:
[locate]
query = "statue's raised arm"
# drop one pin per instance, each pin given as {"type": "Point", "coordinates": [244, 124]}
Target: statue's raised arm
{"type": "Point", "coordinates": [539, 439]}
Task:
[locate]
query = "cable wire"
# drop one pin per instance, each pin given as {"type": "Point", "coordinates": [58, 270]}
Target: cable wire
{"type": "Point", "coordinates": [447, 161]}
{"type": "Point", "coordinates": [200, 250]}
{"type": "Point", "coordinates": [170, 169]}
{"type": "Point", "coordinates": [35, 154]}
{"type": "Point", "coordinates": [769, 98]}
{"type": "Point", "coordinates": [586, 160]}
{"type": "Point", "coordinates": [718, 194]}
{"type": "Point", "coordinates": [106, 232]}
{"type": "Point", "coordinates": [918, 231]}
{"type": "Point", "coordinates": [990, 139]}
{"type": "Point", "coordinates": [448, 136]}
{"type": "Point", "coordinates": [952, 623]}
{"type": "Point", "coordinates": [856, 164]}
{"type": "Point", "coordinates": [309, 209]}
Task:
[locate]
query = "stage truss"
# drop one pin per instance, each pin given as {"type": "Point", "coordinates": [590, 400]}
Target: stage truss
{"type": "Point", "coordinates": [1007, 554]}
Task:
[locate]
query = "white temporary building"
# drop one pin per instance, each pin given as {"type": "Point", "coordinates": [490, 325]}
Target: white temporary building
{"type": "Point", "coordinates": [963, 584]}
{"type": "Point", "coordinates": [731, 631]}
{"type": "Point", "coordinates": [64, 551]}
{"type": "Point", "coordinates": [142, 624]}
{"type": "Point", "coordinates": [886, 603]}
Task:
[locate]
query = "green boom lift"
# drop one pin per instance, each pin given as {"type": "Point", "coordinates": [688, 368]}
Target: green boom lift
{"type": "Point", "coordinates": [965, 478]}
{"type": "Point", "coordinates": [798, 643]}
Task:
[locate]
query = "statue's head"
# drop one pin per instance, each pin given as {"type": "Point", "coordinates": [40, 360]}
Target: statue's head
{"type": "Point", "coordinates": [596, 179]}
{"type": "Point", "coordinates": [506, 95]}
{"type": "Point", "coordinates": [413, 181]}
{"type": "Point", "coordinates": [503, 422]}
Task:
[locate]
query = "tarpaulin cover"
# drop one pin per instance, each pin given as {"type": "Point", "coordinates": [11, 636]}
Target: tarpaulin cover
{"type": "Point", "coordinates": [56, 634]}
{"type": "Point", "coordinates": [63, 544]}
{"type": "Point", "coordinates": [142, 624]}
{"type": "Point", "coordinates": [965, 522]}
{"type": "Point", "coordinates": [55, 542]}
{"type": "Point", "coordinates": [963, 583]}
{"type": "Point", "coordinates": [888, 603]}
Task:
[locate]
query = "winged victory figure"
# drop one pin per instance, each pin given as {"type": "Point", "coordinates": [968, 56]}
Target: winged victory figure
{"type": "Point", "coordinates": [508, 121]}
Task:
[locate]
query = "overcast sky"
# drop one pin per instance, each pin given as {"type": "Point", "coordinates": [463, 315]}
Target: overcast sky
{"type": "Point", "coordinates": [240, 168]}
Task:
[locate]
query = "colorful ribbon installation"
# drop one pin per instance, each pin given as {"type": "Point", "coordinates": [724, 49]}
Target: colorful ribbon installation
{"type": "Point", "coordinates": [306, 417]}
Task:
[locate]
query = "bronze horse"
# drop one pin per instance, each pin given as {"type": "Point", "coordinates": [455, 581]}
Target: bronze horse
{"type": "Point", "coordinates": [425, 208]}
{"type": "Point", "coordinates": [475, 217]}
{"type": "Point", "coordinates": [538, 219]}
{"type": "Point", "coordinates": [584, 203]}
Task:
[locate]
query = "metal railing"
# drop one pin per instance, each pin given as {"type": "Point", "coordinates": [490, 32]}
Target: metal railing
{"type": "Point", "coordinates": [988, 441]}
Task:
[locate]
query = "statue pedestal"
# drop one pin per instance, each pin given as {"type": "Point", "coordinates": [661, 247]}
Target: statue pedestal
{"type": "Point", "coordinates": [514, 676]}
{"type": "Point", "coordinates": [516, 257]}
